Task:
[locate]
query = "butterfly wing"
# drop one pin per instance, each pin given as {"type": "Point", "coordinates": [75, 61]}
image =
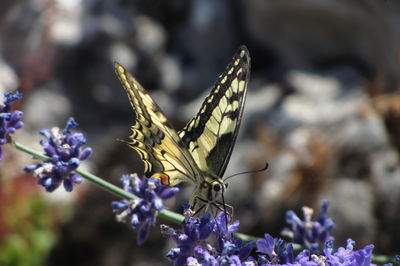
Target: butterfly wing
{"type": "Point", "coordinates": [159, 146]}
{"type": "Point", "coordinates": [211, 134]}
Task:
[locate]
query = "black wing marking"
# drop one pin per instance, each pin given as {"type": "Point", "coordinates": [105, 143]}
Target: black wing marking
{"type": "Point", "coordinates": [211, 134]}
{"type": "Point", "coordinates": [158, 144]}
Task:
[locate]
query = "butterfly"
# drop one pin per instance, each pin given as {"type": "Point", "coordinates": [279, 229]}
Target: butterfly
{"type": "Point", "coordinates": [200, 152]}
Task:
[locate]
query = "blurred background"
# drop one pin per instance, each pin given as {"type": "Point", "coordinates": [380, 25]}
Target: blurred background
{"type": "Point", "coordinates": [323, 109]}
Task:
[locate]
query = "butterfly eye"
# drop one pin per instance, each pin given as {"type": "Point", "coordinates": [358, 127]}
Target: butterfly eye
{"type": "Point", "coordinates": [217, 187]}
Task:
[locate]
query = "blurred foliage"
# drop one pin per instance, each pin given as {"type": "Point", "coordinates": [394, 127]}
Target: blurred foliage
{"type": "Point", "coordinates": [26, 233]}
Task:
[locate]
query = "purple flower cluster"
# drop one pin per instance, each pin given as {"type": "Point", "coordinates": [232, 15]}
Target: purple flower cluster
{"type": "Point", "coordinates": [206, 241]}
{"type": "Point", "coordinates": [9, 121]}
{"type": "Point", "coordinates": [309, 233]}
{"type": "Point", "coordinates": [142, 212]}
{"type": "Point", "coordinates": [347, 255]}
{"type": "Point", "coordinates": [65, 151]}
{"type": "Point", "coordinates": [273, 251]}
{"type": "Point", "coordinates": [194, 244]}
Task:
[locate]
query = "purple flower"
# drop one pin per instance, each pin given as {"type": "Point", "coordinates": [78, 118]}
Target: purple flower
{"type": "Point", "coordinates": [275, 251]}
{"type": "Point", "coordinates": [206, 241]}
{"type": "Point", "coordinates": [235, 253]}
{"type": "Point", "coordinates": [223, 230]}
{"type": "Point", "coordinates": [266, 246]}
{"type": "Point", "coordinates": [285, 253]}
{"type": "Point", "coordinates": [195, 230]}
{"type": "Point", "coordinates": [141, 212]}
{"type": "Point", "coordinates": [9, 121]}
{"type": "Point", "coordinates": [65, 151]}
{"type": "Point", "coordinates": [272, 251]}
{"type": "Point", "coordinates": [310, 233]}
{"type": "Point", "coordinates": [346, 256]}
{"type": "Point", "coordinates": [201, 256]}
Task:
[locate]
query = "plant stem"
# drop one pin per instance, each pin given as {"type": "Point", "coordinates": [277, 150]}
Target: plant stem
{"type": "Point", "coordinates": [166, 214]}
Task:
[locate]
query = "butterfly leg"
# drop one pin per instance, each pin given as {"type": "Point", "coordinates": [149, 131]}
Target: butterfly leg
{"type": "Point", "coordinates": [228, 209]}
{"type": "Point", "coordinates": [200, 210]}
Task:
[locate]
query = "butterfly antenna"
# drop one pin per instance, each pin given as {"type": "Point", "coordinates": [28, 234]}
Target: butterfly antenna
{"type": "Point", "coordinates": [121, 140]}
{"type": "Point", "coordinates": [249, 172]}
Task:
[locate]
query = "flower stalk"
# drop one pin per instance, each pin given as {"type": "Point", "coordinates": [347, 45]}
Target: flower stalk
{"type": "Point", "coordinates": [119, 192]}
{"type": "Point", "coordinates": [166, 214]}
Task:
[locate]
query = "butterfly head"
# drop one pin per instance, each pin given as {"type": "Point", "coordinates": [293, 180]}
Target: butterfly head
{"type": "Point", "coordinates": [207, 197]}
{"type": "Point", "coordinates": [215, 188]}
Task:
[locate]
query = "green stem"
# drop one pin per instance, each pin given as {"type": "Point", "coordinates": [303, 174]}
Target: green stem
{"type": "Point", "coordinates": [165, 214]}
{"type": "Point", "coordinates": [30, 151]}
{"type": "Point", "coordinates": [246, 238]}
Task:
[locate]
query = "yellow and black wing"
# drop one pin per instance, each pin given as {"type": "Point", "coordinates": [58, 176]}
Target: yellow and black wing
{"type": "Point", "coordinates": [211, 134]}
{"type": "Point", "coordinates": [158, 144]}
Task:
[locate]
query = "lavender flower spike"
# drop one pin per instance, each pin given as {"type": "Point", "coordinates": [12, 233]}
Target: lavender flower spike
{"type": "Point", "coordinates": [9, 121]}
{"type": "Point", "coordinates": [195, 243]}
{"type": "Point", "coordinates": [142, 212]}
{"type": "Point", "coordinates": [346, 256]}
{"type": "Point", "coordinates": [308, 232]}
{"type": "Point", "coordinates": [206, 241]}
{"type": "Point", "coordinates": [65, 151]}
